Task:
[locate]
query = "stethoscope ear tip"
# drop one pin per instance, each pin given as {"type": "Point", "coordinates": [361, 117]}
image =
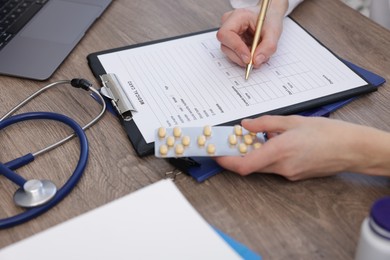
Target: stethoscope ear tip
{"type": "Point", "coordinates": [35, 193]}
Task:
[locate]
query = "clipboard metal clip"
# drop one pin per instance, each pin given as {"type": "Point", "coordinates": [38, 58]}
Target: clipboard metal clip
{"type": "Point", "coordinates": [112, 89]}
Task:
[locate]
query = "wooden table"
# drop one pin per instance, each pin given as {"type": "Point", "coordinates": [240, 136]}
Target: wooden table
{"type": "Point", "coordinates": [279, 219]}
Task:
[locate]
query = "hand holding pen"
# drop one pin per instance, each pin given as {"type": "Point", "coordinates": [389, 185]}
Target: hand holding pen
{"type": "Point", "coordinates": [237, 31]}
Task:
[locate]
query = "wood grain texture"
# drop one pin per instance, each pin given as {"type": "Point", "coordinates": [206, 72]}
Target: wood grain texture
{"type": "Point", "coordinates": [279, 219]}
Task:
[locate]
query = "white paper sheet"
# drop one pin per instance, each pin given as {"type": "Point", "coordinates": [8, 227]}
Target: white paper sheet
{"type": "Point", "coordinates": [156, 222]}
{"type": "Point", "coordinates": [190, 82]}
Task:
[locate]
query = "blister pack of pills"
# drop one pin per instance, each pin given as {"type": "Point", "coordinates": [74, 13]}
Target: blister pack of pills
{"type": "Point", "coordinates": [205, 141]}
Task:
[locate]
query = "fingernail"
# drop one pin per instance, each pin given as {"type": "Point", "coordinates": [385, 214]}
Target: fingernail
{"type": "Point", "coordinates": [245, 58]}
{"type": "Point", "coordinates": [260, 59]}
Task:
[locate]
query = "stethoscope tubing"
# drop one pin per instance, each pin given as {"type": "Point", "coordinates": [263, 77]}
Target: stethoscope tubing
{"type": "Point", "coordinates": [73, 179]}
{"type": "Point", "coordinates": [75, 83]}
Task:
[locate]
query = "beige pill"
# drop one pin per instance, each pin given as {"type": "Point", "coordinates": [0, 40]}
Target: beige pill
{"type": "Point", "coordinates": [186, 140]}
{"type": "Point", "coordinates": [257, 145]}
{"type": "Point", "coordinates": [252, 133]}
{"type": "Point", "coordinates": [201, 140]}
{"type": "Point", "coordinates": [243, 148]}
{"type": "Point", "coordinates": [211, 149]}
{"type": "Point", "coordinates": [163, 149]}
{"type": "Point", "coordinates": [176, 131]}
{"type": "Point", "coordinates": [232, 139]}
{"type": "Point", "coordinates": [238, 130]}
{"type": "Point", "coordinates": [207, 130]}
{"type": "Point", "coordinates": [162, 131]}
{"type": "Point", "coordinates": [170, 141]}
{"type": "Point", "coordinates": [179, 149]}
{"type": "Point", "coordinates": [248, 139]}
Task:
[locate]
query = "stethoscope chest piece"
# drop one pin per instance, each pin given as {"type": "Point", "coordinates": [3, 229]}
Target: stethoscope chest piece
{"type": "Point", "coordinates": [35, 193]}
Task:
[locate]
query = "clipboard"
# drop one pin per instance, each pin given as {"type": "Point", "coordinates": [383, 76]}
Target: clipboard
{"type": "Point", "coordinates": [143, 148]}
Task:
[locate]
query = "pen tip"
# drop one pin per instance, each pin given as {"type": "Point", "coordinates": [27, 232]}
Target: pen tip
{"type": "Point", "coordinates": [248, 70]}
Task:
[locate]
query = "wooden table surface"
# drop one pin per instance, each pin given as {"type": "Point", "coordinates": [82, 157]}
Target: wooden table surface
{"type": "Point", "coordinates": [312, 219]}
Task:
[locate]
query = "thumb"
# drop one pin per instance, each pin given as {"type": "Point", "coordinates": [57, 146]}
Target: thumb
{"type": "Point", "coordinates": [270, 123]}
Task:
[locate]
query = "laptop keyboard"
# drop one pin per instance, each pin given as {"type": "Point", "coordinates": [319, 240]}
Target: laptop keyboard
{"type": "Point", "coordinates": [14, 14]}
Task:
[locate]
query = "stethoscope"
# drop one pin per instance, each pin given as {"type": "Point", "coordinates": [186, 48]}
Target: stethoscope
{"type": "Point", "coordinates": [38, 196]}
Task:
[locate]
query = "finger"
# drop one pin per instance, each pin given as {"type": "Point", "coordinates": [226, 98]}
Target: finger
{"type": "Point", "coordinates": [260, 160]}
{"type": "Point", "coordinates": [265, 49]}
{"type": "Point", "coordinates": [270, 36]}
{"type": "Point", "coordinates": [270, 123]}
{"type": "Point", "coordinates": [231, 43]}
{"type": "Point", "coordinates": [232, 56]}
{"type": "Point", "coordinates": [272, 135]}
{"type": "Point", "coordinates": [234, 30]}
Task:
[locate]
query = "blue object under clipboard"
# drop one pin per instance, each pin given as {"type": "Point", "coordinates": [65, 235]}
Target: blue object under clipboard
{"type": "Point", "coordinates": [202, 168]}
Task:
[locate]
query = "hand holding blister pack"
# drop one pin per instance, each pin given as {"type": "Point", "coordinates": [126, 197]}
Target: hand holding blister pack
{"type": "Point", "coordinates": [205, 141]}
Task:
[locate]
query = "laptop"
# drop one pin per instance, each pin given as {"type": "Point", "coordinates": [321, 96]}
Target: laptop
{"type": "Point", "coordinates": [37, 35]}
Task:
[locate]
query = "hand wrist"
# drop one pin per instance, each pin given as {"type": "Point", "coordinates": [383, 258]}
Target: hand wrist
{"type": "Point", "coordinates": [279, 7]}
{"type": "Point", "coordinates": [373, 152]}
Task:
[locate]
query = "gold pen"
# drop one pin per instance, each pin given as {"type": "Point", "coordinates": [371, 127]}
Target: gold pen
{"type": "Point", "coordinates": [259, 25]}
